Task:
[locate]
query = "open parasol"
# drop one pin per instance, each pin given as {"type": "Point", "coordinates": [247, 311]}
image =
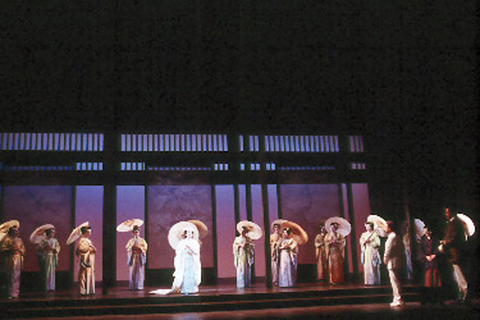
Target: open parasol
{"type": "Point", "coordinates": [254, 231]}
{"type": "Point", "coordinates": [77, 233]}
{"type": "Point", "coordinates": [344, 227]}
{"type": "Point", "coordinates": [4, 227]}
{"type": "Point", "coordinates": [467, 223]}
{"type": "Point", "coordinates": [298, 233]}
{"type": "Point", "coordinates": [379, 224]}
{"type": "Point", "coordinates": [202, 228]}
{"type": "Point", "coordinates": [40, 233]}
{"type": "Point", "coordinates": [127, 226]}
{"type": "Point", "coordinates": [419, 228]}
{"type": "Point", "coordinates": [177, 231]}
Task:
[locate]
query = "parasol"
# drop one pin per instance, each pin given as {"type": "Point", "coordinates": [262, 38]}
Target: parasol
{"type": "Point", "coordinates": [379, 224]}
{"type": "Point", "coordinates": [127, 226]}
{"type": "Point", "coordinates": [467, 223]}
{"type": "Point", "coordinates": [76, 233]}
{"type": "Point", "coordinates": [202, 228]}
{"type": "Point", "coordinates": [177, 231]}
{"type": "Point", "coordinates": [254, 231]}
{"type": "Point", "coordinates": [298, 233]}
{"type": "Point", "coordinates": [39, 234]}
{"type": "Point", "coordinates": [344, 226]}
{"type": "Point", "coordinates": [419, 228]}
{"type": "Point", "coordinates": [4, 227]}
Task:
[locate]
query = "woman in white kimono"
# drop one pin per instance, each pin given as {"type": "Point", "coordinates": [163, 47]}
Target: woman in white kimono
{"type": "Point", "coordinates": [244, 257]}
{"type": "Point", "coordinates": [13, 252]}
{"type": "Point", "coordinates": [86, 252]}
{"type": "Point", "coordinates": [137, 257]}
{"type": "Point", "coordinates": [288, 260]}
{"type": "Point", "coordinates": [188, 269]}
{"type": "Point", "coordinates": [275, 239]}
{"type": "Point", "coordinates": [48, 249]}
{"type": "Point", "coordinates": [371, 260]}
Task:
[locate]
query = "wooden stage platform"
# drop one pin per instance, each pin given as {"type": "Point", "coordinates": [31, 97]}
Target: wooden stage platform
{"type": "Point", "coordinates": [121, 301]}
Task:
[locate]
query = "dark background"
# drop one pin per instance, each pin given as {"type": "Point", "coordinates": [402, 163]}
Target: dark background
{"type": "Point", "coordinates": [402, 73]}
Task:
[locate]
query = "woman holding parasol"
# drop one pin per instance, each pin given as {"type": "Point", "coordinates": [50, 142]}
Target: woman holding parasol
{"type": "Point", "coordinates": [13, 251]}
{"type": "Point", "coordinates": [335, 242]}
{"type": "Point", "coordinates": [293, 236]}
{"type": "Point", "coordinates": [370, 258]}
{"type": "Point", "coordinates": [48, 248]}
{"type": "Point", "coordinates": [244, 251]}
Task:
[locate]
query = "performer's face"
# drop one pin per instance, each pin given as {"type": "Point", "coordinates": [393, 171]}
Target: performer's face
{"type": "Point", "coordinates": [51, 234]}
{"type": "Point", "coordinates": [448, 214]}
{"type": "Point", "coordinates": [190, 234]}
{"type": "Point", "coordinates": [368, 227]}
{"type": "Point", "coordinates": [276, 229]}
{"type": "Point", "coordinates": [136, 233]}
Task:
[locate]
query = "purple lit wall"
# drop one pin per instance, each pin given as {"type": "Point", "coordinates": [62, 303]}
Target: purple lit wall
{"type": "Point", "coordinates": [34, 206]}
{"type": "Point", "coordinates": [307, 205]}
{"type": "Point", "coordinates": [225, 230]}
{"type": "Point", "coordinates": [257, 217]}
{"type": "Point", "coordinates": [89, 207]}
{"type": "Point", "coordinates": [168, 205]}
{"type": "Point", "coordinates": [130, 205]}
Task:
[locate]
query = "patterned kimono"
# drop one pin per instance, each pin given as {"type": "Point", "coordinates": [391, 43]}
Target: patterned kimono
{"type": "Point", "coordinates": [86, 274]}
{"type": "Point", "coordinates": [288, 263]}
{"type": "Point", "coordinates": [188, 269]}
{"type": "Point", "coordinates": [275, 240]}
{"type": "Point", "coordinates": [320, 254]}
{"type": "Point", "coordinates": [371, 260]}
{"type": "Point", "coordinates": [244, 256]}
{"type": "Point", "coordinates": [137, 257]}
{"type": "Point", "coordinates": [13, 263]}
{"type": "Point", "coordinates": [335, 244]}
{"type": "Point", "coordinates": [48, 250]}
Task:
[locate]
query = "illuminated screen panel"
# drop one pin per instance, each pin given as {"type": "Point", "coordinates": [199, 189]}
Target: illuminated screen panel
{"type": "Point", "coordinates": [168, 205]}
{"type": "Point", "coordinates": [306, 205]}
{"type": "Point", "coordinates": [257, 217]}
{"type": "Point", "coordinates": [225, 230]}
{"type": "Point", "coordinates": [34, 206]}
{"type": "Point", "coordinates": [89, 207]}
{"type": "Point", "coordinates": [130, 205]}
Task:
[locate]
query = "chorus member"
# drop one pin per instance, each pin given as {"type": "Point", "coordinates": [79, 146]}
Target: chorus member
{"type": "Point", "coordinates": [371, 260]}
{"type": "Point", "coordinates": [393, 258]}
{"type": "Point", "coordinates": [428, 256]}
{"type": "Point", "coordinates": [13, 252]}
{"type": "Point", "coordinates": [335, 251]}
{"type": "Point", "coordinates": [321, 255]}
{"type": "Point", "coordinates": [287, 274]}
{"type": "Point", "coordinates": [275, 240]}
{"type": "Point", "coordinates": [454, 245]}
{"type": "Point", "coordinates": [86, 253]}
{"type": "Point", "coordinates": [408, 253]}
{"type": "Point", "coordinates": [244, 257]}
{"type": "Point", "coordinates": [137, 257]}
{"type": "Point", "coordinates": [188, 268]}
{"type": "Point", "coordinates": [48, 250]}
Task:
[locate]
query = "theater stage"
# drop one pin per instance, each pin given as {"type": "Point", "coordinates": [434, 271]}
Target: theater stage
{"type": "Point", "coordinates": [120, 301]}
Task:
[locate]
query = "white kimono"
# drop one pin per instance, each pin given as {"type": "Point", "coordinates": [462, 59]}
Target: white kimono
{"type": "Point", "coordinates": [188, 268]}
{"type": "Point", "coordinates": [137, 257]}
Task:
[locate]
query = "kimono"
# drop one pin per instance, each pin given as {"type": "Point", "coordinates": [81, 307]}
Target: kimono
{"type": "Point", "coordinates": [320, 254]}
{"type": "Point", "coordinates": [244, 257]}
{"type": "Point", "coordinates": [13, 263]}
{"type": "Point", "coordinates": [137, 257]}
{"type": "Point", "coordinates": [428, 247]}
{"type": "Point", "coordinates": [48, 250]}
{"type": "Point", "coordinates": [287, 274]}
{"type": "Point", "coordinates": [335, 251]}
{"type": "Point", "coordinates": [275, 240]}
{"type": "Point", "coordinates": [86, 274]}
{"type": "Point", "coordinates": [188, 268]}
{"type": "Point", "coordinates": [371, 260]}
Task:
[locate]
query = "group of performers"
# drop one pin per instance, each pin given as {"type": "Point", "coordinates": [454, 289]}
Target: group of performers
{"type": "Point", "coordinates": [285, 239]}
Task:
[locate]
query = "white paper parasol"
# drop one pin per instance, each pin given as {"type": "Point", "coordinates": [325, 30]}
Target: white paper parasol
{"type": "Point", "coordinates": [467, 223]}
{"type": "Point", "coordinates": [4, 227]}
{"type": "Point", "coordinates": [379, 224]}
{"type": "Point", "coordinates": [419, 228]}
{"type": "Point", "coordinates": [177, 232]}
{"type": "Point", "coordinates": [127, 226]}
{"type": "Point", "coordinates": [254, 231]}
{"type": "Point", "coordinates": [76, 233]}
{"type": "Point", "coordinates": [202, 228]}
{"type": "Point", "coordinates": [40, 233]}
{"type": "Point", "coordinates": [298, 233]}
{"type": "Point", "coordinates": [344, 227]}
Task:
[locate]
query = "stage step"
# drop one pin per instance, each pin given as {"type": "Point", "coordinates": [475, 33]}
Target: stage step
{"type": "Point", "coordinates": [39, 308]}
